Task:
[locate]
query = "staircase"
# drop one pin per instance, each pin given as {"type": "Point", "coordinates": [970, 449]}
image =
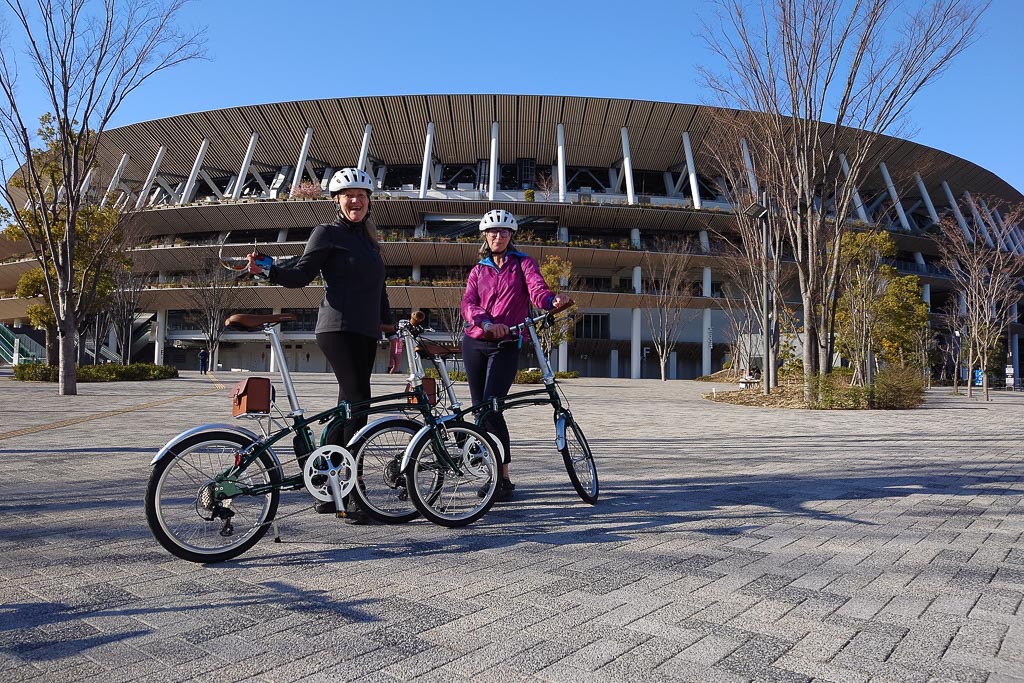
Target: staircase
{"type": "Point", "coordinates": [26, 349]}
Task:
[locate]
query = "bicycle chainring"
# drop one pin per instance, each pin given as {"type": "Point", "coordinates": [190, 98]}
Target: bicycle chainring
{"type": "Point", "coordinates": [327, 463]}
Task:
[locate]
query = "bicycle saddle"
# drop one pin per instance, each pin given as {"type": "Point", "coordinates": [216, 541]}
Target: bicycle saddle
{"type": "Point", "coordinates": [431, 349]}
{"type": "Point", "coordinates": [250, 322]}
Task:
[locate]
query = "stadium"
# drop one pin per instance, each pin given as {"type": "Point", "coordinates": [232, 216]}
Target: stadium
{"type": "Point", "coordinates": [593, 181]}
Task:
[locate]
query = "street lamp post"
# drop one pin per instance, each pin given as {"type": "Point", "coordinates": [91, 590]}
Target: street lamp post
{"type": "Point", "coordinates": [759, 212]}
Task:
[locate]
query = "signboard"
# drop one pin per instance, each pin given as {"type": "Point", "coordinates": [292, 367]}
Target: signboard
{"type": "Point", "coordinates": [979, 376]}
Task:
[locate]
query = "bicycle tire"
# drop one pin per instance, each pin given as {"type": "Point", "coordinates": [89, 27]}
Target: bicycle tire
{"type": "Point", "coordinates": [579, 463]}
{"type": "Point", "coordinates": [179, 494]}
{"type": "Point", "coordinates": [444, 495]}
{"type": "Point", "coordinates": [381, 489]}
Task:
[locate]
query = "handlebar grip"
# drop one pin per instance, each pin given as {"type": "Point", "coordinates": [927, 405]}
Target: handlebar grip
{"type": "Point", "coordinates": [417, 318]}
{"type": "Point", "coordinates": [559, 309]}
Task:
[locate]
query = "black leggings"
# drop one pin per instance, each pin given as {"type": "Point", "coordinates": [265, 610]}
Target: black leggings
{"type": "Point", "coordinates": [490, 369]}
{"type": "Point", "coordinates": [351, 357]}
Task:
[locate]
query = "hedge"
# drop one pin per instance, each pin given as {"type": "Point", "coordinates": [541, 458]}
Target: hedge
{"type": "Point", "coordinates": [108, 372]}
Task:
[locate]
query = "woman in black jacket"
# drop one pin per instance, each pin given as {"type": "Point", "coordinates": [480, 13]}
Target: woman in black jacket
{"type": "Point", "coordinates": [346, 255]}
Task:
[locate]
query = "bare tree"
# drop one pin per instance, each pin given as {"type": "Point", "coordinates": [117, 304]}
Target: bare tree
{"type": "Point", "coordinates": [952, 347]}
{"type": "Point", "coordinates": [210, 293]}
{"type": "Point", "coordinates": [547, 185]}
{"type": "Point", "coordinates": [668, 293]}
{"type": "Point", "coordinates": [986, 272]}
{"type": "Point", "coordinates": [450, 311]}
{"type": "Point", "coordinates": [124, 305]}
{"type": "Point", "coordinates": [824, 80]}
{"type": "Point", "coordinates": [88, 58]}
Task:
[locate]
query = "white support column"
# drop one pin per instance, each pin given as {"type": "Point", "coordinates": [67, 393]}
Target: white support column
{"type": "Point", "coordinates": [895, 197]}
{"type": "Point", "coordinates": [560, 130]}
{"type": "Point", "coordinates": [86, 183]}
{"type": "Point", "coordinates": [153, 170]}
{"type": "Point", "coordinates": [635, 336]}
{"type": "Point", "coordinates": [563, 234]}
{"type": "Point", "coordinates": [115, 180]}
{"type": "Point", "coordinates": [492, 175]}
{"type": "Point", "coordinates": [627, 167]}
{"type": "Point", "coordinates": [1004, 240]}
{"type": "Point", "coordinates": [364, 149]}
{"type": "Point", "coordinates": [634, 237]}
{"type": "Point", "coordinates": [635, 346]}
{"type": "Point", "coordinates": [858, 205]}
{"type": "Point", "coordinates": [243, 171]}
{"type": "Point", "coordinates": [428, 154]}
{"type": "Point", "coordinates": [212, 185]}
{"type": "Point", "coordinates": [160, 337]}
{"type": "Point", "coordinates": [1015, 350]}
{"type": "Point", "coordinates": [417, 272]}
{"type": "Point", "coordinates": [613, 362]}
{"type": "Point", "coordinates": [933, 215]}
{"type": "Point", "coordinates": [563, 356]}
{"type": "Point", "coordinates": [956, 211]}
{"type": "Point", "coordinates": [749, 165]}
{"type": "Point", "coordinates": [190, 183]}
{"type": "Point", "coordinates": [1010, 236]}
{"type": "Point", "coordinates": [1013, 231]}
{"type": "Point", "coordinates": [705, 358]}
{"type": "Point", "coordinates": [692, 170]}
{"type": "Point", "coordinates": [926, 294]}
{"type": "Point", "coordinates": [282, 235]}
{"type": "Point", "coordinates": [978, 221]}
{"type": "Point", "coordinates": [300, 165]}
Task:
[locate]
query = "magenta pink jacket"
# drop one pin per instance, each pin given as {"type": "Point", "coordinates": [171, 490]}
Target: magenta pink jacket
{"type": "Point", "coordinates": [503, 295]}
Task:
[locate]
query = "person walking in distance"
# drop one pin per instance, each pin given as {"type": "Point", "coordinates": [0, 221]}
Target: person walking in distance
{"type": "Point", "coordinates": [499, 291]}
{"type": "Point", "coordinates": [346, 254]}
{"type": "Point", "coordinates": [204, 360]}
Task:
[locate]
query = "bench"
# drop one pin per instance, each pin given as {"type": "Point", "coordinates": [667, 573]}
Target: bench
{"type": "Point", "coordinates": [749, 382]}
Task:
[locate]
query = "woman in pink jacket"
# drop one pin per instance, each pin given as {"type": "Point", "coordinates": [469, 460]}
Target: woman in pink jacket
{"type": "Point", "coordinates": [498, 294]}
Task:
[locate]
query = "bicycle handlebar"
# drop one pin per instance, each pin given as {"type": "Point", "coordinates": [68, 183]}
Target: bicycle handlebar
{"type": "Point", "coordinates": [514, 329]}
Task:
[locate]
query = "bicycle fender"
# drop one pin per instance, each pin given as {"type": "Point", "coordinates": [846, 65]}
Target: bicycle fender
{"type": "Point", "coordinates": [392, 418]}
{"type": "Point", "coordinates": [242, 431]}
{"type": "Point", "coordinates": [560, 432]}
{"type": "Point", "coordinates": [417, 438]}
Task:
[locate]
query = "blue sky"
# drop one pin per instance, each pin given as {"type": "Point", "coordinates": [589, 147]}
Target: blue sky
{"type": "Point", "coordinates": [646, 49]}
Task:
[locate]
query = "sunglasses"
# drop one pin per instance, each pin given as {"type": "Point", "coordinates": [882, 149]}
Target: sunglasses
{"type": "Point", "coordinates": [502, 232]}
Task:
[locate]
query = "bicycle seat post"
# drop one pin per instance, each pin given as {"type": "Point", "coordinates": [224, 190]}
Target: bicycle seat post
{"type": "Point", "coordinates": [275, 340]}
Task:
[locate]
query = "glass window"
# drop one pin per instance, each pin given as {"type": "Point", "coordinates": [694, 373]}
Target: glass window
{"type": "Point", "coordinates": [593, 326]}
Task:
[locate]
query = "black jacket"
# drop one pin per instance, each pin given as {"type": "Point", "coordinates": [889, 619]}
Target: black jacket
{"type": "Point", "coordinates": [355, 298]}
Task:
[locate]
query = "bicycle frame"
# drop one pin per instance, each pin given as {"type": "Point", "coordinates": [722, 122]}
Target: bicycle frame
{"type": "Point", "coordinates": [548, 395]}
{"type": "Point", "coordinates": [413, 399]}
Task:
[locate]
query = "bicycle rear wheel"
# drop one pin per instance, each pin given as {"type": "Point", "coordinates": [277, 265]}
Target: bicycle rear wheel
{"type": "Point", "coordinates": [579, 462]}
{"type": "Point", "coordinates": [453, 475]}
{"type": "Point", "coordinates": [380, 487]}
{"type": "Point", "coordinates": [185, 512]}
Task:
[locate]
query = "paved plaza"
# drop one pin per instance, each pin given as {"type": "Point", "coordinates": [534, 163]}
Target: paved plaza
{"type": "Point", "coordinates": [729, 544]}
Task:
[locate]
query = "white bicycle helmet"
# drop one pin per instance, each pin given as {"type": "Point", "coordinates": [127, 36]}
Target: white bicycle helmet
{"type": "Point", "coordinates": [498, 218]}
{"type": "Point", "coordinates": [351, 178]}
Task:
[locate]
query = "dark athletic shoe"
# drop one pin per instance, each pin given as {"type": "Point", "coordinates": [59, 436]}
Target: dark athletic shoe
{"type": "Point", "coordinates": [325, 507]}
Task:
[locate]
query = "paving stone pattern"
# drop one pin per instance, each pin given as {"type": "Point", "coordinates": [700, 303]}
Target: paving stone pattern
{"type": "Point", "coordinates": [729, 544]}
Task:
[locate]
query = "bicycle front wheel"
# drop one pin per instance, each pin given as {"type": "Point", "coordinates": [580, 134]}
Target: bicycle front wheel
{"type": "Point", "coordinates": [187, 515]}
{"type": "Point", "coordinates": [453, 475]}
{"type": "Point", "coordinates": [380, 487]}
{"type": "Point", "coordinates": [579, 462]}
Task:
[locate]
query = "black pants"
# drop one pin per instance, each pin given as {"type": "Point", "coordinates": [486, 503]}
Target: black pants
{"type": "Point", "coordinates": [351, 357]}
{"type": "Point", "coordinates": [490, 369]}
